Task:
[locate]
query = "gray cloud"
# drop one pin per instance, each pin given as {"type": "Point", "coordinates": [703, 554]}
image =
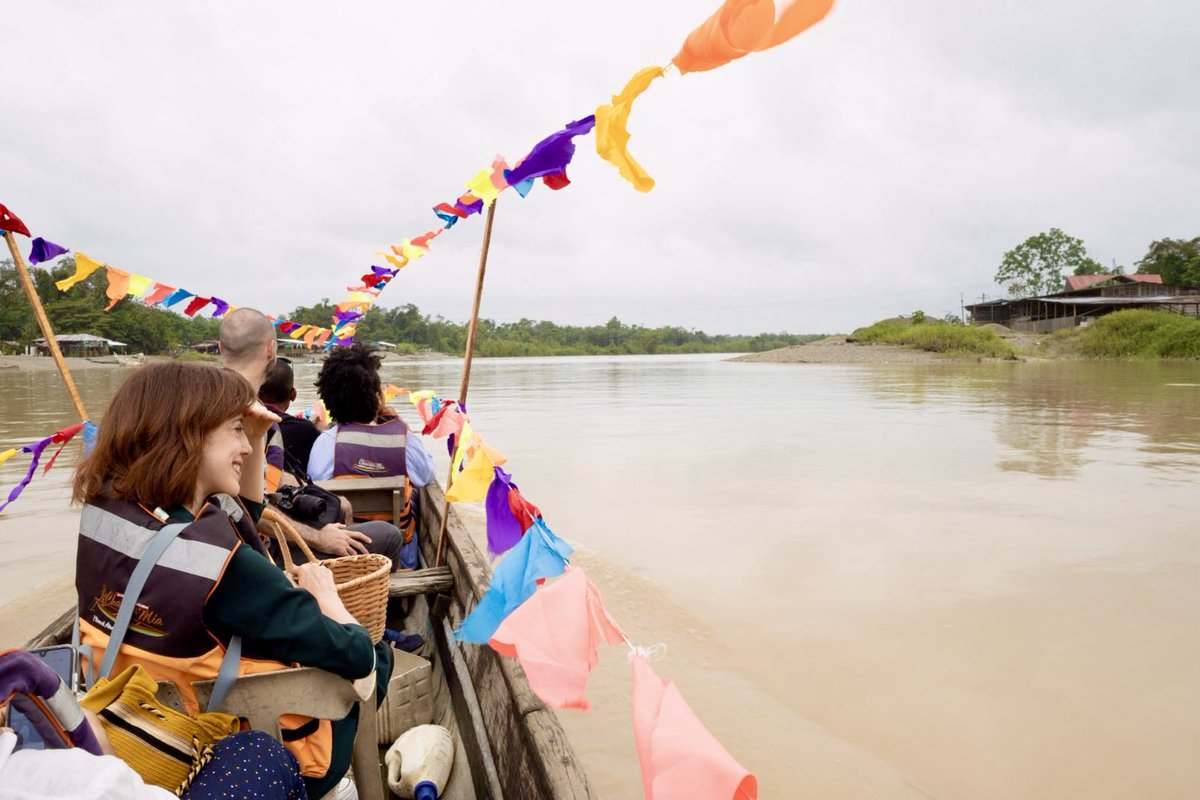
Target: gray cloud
{"type": "Point", "coordinates": [881, 162]}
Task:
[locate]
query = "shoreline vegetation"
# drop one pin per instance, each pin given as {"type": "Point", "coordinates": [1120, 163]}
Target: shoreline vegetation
{"type": "Point", "coordinates": [1131, 334]}
{"type": "Point", "coordinates": [157, 331]}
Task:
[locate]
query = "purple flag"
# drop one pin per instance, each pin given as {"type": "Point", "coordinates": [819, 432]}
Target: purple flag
{"type": "Point", "coordinates": [222, 306]}
{"type": "Point", "coordinates": [43, 250]}
{"type": "Point", "coordinates": [503, 528]}
{"type": "Point", "coordinates": [384, 272]}
{"type": "Point", "coordinates": [552, 154]}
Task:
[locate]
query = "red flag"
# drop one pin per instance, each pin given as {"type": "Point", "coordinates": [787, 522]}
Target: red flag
{"type": "Point", "coordinates": [11, 222]}
{"type": "Point", "coordinates": [557, 181]}
{"type": "Point", "coordinates": [196, 304]}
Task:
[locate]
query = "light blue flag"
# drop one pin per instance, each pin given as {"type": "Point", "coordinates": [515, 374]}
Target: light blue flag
{"type": "Point", "coordinates": [539, 554]}
{"type": "Point", "coordinates": [174, 297]}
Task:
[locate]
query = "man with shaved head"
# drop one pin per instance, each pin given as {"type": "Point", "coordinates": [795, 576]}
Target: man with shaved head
{"type": "Point", "coordinates": [248, 344]}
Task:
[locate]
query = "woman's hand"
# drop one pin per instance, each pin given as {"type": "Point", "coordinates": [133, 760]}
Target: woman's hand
{"type": "Point", "coordinates": [318, 581]}
{"type": "Point", "coordinates": [256, 419]}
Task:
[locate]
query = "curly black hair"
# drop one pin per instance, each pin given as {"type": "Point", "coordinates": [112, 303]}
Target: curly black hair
{"type": "Point", "coordinates": [349, 384]}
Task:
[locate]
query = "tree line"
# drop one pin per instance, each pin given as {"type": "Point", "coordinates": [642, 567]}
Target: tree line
{"type": "Point", "coordinates": [81, 310]}
{"type": "Point", "coordinates": [1038, 265]}
{"type": "Point", "coordinates": [411, 330]}
{"type": "Point", "coordinates": [159, 331]}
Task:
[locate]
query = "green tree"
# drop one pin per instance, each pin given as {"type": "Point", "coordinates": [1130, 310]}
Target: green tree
{"type": "Point", "coordinates": [1176, 260]}
{"type": "Point", "coordinates": [1036, 266]}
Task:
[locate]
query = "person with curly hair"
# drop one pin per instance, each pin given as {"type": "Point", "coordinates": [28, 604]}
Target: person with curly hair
{"type": "Point", "coordinates": [367, 438]}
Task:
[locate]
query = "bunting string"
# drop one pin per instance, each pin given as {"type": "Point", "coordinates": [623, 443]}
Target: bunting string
{"type": "Point", "coordinates": [154, 293]}
{"type": "Point", "coordinates": [36, 449]}
{"type": "Point", "coordinates": [736, 29]}
{"type": "Point", "coordinates": [546, 613]}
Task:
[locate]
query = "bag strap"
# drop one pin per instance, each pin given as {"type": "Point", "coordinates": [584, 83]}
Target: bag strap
{"type": "Point", "coordinates": [227, 673]}
{"type": "Point", "coordinates": [158, 545]}
{"type": "Point", "coordinates": [297, 469]}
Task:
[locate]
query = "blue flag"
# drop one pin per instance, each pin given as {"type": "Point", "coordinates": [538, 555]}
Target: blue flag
{"type": "Point", "coordinates": [539, 554]}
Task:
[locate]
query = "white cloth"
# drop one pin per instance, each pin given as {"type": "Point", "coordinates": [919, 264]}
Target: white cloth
{"type": "Point", "coordinates": [74, 774]}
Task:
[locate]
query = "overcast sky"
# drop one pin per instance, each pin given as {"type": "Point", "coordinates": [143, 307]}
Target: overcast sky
{"type": "Point", "coordinates": [879, 163]}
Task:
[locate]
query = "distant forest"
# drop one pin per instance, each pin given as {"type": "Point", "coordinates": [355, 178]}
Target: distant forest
{"type": "Point", "coordinates": [157, 331]}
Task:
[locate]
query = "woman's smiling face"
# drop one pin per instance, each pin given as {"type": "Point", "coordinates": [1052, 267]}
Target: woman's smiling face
{"type": "Point", "coordinates": [224, 450]}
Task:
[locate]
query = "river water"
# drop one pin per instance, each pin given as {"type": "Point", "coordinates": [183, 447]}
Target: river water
{"type": "Point", "coordinates": [892, 581]}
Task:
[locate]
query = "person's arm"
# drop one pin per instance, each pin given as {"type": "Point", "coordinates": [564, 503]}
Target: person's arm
{"type": "Point", "coordinates": [335, 538]}
{"type": "Point", "coordinates": [418, 461]}
{"type": "Point", "coordinates": [281, 622]}
{"type": "Point", "coordinates": [256, 421]}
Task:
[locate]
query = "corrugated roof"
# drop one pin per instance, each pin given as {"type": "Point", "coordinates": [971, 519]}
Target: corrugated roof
{"type": "Point", "coordinates": [1121, 301]}
{"type": "Point", "coordinates": [1077, 282]}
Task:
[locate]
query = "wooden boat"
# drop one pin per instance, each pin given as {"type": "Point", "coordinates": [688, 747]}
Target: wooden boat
{"type": "Point", "coordinates": [509, 743]}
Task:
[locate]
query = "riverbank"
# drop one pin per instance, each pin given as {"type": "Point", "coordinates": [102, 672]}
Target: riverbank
{"type": "Point", "coordinates": [1134, 334]}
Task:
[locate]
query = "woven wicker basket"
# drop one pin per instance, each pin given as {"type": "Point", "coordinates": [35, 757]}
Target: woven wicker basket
{"type": "Point", "coordinates": [362, 580]}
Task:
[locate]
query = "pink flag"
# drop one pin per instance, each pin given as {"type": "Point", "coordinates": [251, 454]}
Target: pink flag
{"type": "Point", "coordinates": [556, 634]}
{"type": "Point", "coordinates": [680, 758]}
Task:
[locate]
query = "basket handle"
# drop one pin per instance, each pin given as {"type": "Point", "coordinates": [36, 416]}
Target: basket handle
{"type": "Point", "coordinates": [284, 530]}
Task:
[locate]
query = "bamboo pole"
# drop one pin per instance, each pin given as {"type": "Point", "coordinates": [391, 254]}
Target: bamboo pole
{"type": "Point", "coordinates": [466, 375]}
{"type": "Point", "coordinates": [44, 323]}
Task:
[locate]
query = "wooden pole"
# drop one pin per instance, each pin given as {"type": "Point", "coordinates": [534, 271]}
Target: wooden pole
{"type": "Point", "coordinates": [44, 323]}
{"type": "Point", "coordinates": [466, 374]}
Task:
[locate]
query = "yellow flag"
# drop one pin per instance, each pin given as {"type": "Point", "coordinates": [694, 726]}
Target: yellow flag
{"type": "Point", "coordinates": [612, 137]}
{"type": "Point", "coordinates": [7, 454]}
{"type": "Point", "coordinates": [482, 187]}
{"type": "Point", "coordinates": [472, 483]}
{"type": "Point", "coordinates": [84, 267]}
{"type": "Point", "coordinates": [138, 285]}
{"type": "Point", "coordinates": [411, 252]}
{"type": "Point", "coordinates": [296, 334]}
{"type": "Point", "coordinates": [466, 436]}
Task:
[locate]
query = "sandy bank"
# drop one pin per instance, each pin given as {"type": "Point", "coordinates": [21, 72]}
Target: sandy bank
{"type": "Point", "coordinates": [836, 350]}
{"type": "Point", "coordinates": [46, 363]}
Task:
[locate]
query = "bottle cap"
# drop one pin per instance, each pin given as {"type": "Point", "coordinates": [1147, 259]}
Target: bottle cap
{"type": "Point", "coordinates": [425, 790]}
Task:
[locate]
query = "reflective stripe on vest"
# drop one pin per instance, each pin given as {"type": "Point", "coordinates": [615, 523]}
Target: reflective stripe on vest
{"type": "Point", "coordinates": [371, 451]}
{"type": "Point", "coordinates": [130, 539]}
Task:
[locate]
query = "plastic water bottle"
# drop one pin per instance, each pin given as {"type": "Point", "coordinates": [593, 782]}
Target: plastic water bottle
{"type": "Point", "coordinates": [419, 762]}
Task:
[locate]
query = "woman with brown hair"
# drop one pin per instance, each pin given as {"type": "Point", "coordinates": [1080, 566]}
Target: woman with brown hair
{"type": "Point", "coordinates": [183, 443]}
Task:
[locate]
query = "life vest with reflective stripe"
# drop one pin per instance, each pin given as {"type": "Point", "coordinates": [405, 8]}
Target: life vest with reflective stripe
{"type": "Point", "coordinates": [376, 451]}
{"type": "Point", "coordinates": [168, 636]}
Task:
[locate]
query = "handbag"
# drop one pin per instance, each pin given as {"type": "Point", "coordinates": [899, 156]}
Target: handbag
{"type": "Point", "coordinates": [164, 746]}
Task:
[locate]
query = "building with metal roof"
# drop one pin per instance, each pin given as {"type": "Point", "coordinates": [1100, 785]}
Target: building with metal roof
{"type": "Point", "coordinates": [1092, 298]}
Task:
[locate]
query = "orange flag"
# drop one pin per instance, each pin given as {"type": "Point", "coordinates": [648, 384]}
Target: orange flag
{"type": "Point", "coordinates": [556, 635]}
{"type": "Point", "coordinates": [679, 757]}
{"type": "Point", "coordinates": [118, 286]}
{"type": "Point", "coordinates": [740, 27]}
